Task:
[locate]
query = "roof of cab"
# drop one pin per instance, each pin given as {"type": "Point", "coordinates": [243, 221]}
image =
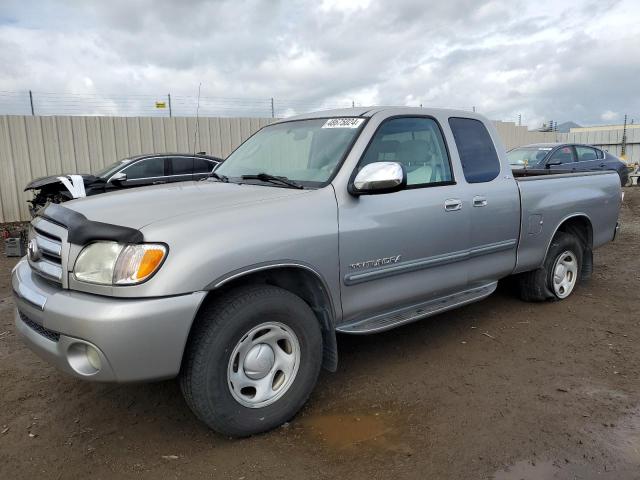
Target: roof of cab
{"type": "Point", "coordinates": [553, 145]}
{"type": "Point", "coordinates": [367, 112]}
{"type": "Point", "coordinates": [169, 154]}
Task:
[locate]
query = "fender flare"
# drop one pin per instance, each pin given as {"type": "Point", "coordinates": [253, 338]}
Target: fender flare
{"type": "Point", "coordinates": [326, 317]}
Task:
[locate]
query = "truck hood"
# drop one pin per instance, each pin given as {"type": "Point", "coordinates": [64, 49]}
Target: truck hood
{"type": "Point", "coordinates": [138, 207]}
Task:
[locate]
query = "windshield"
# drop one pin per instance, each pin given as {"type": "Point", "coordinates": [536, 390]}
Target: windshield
{"type": "Point", "coordinates": [307, 152]}
{"type": "Point", "coordinates": [525, 156]}
{"type": "Point", "coordinates": [111, 169]}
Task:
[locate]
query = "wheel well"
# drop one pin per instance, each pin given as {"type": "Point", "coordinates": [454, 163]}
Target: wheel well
{"type": "Point", "coordinates": [306, 285]}
{"type": "Point", "coordinates": [581, 228]}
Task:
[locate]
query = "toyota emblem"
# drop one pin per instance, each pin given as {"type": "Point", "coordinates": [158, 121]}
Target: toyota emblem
{"type": "Point", "coordinates": [34, 251]}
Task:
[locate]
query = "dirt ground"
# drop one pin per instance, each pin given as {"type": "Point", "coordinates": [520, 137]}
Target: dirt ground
{"type": "Point", "coordinates": [499, 389]}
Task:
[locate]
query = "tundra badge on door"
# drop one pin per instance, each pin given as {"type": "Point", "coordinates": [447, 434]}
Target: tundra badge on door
{"type": "Point", "coordinates": [376, 263]}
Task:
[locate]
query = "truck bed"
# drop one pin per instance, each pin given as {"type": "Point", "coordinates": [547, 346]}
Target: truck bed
{"type": "Point", "coordinates": [547, 200]}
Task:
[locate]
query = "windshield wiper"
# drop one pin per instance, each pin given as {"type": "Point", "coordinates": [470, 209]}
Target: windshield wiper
{"type": "Point", "coordinates": [219, 176]}
{"type": "Point", "coordinates": [265, 177]}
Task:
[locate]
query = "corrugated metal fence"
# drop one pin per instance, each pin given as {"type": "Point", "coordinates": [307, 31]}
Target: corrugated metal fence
{"type": "Point", "coordinates": [32, 147]}
{"type": "Point", "coordinates": [513, 135]}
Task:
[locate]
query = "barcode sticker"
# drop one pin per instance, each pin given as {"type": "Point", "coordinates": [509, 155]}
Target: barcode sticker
{"type": "Point", "coordinates": [343, 123]}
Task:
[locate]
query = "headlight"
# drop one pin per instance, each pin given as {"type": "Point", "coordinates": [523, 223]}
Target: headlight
{"type": "Point", "coordinates": [110, 263]}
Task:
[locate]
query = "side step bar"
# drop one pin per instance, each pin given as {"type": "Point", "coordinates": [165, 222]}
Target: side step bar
{"type": "Point", "coordinates": [401, 316]}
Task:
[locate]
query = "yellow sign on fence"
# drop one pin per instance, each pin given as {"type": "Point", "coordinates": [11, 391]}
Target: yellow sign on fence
{"type": "Point", "coordinates": [161, 105]}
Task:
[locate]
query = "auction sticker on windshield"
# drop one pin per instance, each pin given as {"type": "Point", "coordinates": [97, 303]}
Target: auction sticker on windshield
{"type": "Point", "coordinates": [343, 123]}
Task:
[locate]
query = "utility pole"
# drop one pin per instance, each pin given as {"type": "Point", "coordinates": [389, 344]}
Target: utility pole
{"type": "Point", "coordinates": [31, 102]}
{"type": "Point", "coordinates": [353, 104]}
{"type": "Point", "coordinates": [273, 110]}
{"type": "Point", "coordinates": [169, 101]}
{"type": "Point", "coordinates": [623, 150]}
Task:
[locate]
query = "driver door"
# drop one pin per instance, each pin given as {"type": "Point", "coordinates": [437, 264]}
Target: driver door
{"type": "Point", "coordinates": [404, 248]}
{"type": "Point", "coordinates": [564, 158]}
{"type": "Point", "coordinates": [148, 171]}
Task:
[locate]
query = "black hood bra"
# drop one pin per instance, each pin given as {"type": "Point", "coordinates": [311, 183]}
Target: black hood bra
{"type": "Point", "coordinates": [82, 231]}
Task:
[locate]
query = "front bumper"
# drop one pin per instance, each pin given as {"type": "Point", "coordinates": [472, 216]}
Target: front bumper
{"type": "Point", "coordinates": [135, 339]}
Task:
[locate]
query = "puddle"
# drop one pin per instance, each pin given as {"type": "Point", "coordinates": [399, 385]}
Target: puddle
{"type": "Point", "coordinates": [344, 431]}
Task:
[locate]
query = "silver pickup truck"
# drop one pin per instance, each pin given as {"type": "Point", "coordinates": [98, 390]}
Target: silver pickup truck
{"type": "Point", "coordinates": [352, 221]}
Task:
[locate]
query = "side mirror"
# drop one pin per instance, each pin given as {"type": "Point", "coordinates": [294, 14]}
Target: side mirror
{"type": "Point", "coordinates": [552, 164]}
{"type": "Point", "coordinates": [118, 178]}
{"type": "Point", "coordinates": [379, 177]}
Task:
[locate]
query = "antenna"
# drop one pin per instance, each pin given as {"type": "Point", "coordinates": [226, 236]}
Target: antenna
{"type": "Point", "coordinates": [196, 134]}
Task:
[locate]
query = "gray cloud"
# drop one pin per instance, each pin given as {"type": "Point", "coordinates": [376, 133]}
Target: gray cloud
{"type": "Point", "coordinates": [545, 61]}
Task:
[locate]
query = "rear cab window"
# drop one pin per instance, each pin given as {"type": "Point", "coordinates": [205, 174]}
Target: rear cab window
{"type": "Point", "coordinates": [477, 153]}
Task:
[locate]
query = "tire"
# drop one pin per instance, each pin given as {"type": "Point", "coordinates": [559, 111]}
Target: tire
{"type": "Point", "coordinates": [538, 285]}
{"type": "Point", "coordinates": [221, 331]}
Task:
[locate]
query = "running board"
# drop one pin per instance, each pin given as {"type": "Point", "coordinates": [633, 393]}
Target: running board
{"type": "Point", "coordinates": [395, 318]}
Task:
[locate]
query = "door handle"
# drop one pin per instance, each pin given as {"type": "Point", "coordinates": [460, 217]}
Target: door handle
{"type": "Point", "coordinates": [602, 165]}
{"type": "Point", "coordinates": [158, 182]}
{"type": "Point", "coordinates": [452, 204]}
{"type": "Point", "coordinates": [479, 201]}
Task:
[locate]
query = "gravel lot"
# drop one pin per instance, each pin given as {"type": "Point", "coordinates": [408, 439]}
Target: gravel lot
{"type": "Point", "coordinates": [499, 389]}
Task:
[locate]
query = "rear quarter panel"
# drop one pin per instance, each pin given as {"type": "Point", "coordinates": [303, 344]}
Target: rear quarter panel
{"type": "Point", "coordinates": [548, 200]}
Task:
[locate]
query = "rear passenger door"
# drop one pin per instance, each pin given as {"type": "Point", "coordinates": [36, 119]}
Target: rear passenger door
{"type": "Point", "coordinates": [202, 168]}
{"type": "Point", "coordinates": [181, 169]}
{"type": "Point", "coordinates": [494, 203]}
{"type": "Point", "coordinates": [588, 159]}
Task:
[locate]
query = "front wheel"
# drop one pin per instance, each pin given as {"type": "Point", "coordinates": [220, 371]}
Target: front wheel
{"type": "Point", "coordinates": [558, 276]}
{"type": "Point", "coordinates": [252, 360]}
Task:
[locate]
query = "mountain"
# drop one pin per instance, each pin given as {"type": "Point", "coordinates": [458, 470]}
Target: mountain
{"type": "Point", "coordinates": [566, 126]}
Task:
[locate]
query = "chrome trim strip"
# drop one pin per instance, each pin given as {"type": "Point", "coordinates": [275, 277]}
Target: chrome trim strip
{"type": "Point", "coordinates": [30, 297]}
{"type": "Point", "coordinates": [428, 262]}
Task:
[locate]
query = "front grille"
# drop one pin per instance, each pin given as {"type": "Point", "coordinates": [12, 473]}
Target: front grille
{"type": "Point", "coordinates": [45, 332]}
{"type": "Point", "coordinates": [48, 261]}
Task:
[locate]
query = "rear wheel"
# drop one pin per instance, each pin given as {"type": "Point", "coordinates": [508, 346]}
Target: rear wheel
{"type": "Point", "coordinates": [252, 361]}
{"type": "Point", "coordinates": [558, 276]}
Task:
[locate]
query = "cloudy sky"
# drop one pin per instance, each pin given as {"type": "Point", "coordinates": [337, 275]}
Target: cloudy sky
{"type": "Point", "coordinates": [542, 59]}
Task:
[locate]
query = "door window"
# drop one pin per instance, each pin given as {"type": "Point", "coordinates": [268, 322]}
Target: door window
{"type": "Point", "coordinates": [181, 165]}
{"type": "Point", "coordinates": [586, 154]}
{"type": "Point", "coordinates": [149, 168]}
{"type": "Point", "coordinates": [478, 156]}
{"type": "Point", "coordinates": [417, 144]}
{"type": "Point", "coordinates": [562, 156]}
{"type": "Point", "coordinates": [200, 165]}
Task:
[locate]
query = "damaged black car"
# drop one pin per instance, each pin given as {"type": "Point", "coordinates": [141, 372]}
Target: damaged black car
{"type": "Point", "coordinates": [137, 171]}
